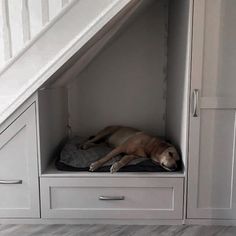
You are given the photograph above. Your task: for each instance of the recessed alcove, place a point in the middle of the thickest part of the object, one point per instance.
(134, 72)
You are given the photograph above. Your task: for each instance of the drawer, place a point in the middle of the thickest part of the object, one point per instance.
(117, 198)
(19, 186)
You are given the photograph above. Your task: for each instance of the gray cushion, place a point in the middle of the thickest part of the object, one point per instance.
(72, 155)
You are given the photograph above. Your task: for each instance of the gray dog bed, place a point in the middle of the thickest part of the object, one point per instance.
(72, 158)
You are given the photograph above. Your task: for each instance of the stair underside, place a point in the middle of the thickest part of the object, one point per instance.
(80, 33)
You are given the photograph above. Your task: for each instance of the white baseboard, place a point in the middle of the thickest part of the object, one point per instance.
(210, 222)
(91, 221)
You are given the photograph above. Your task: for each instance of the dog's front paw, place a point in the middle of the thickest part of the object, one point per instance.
(86, 146)
(94, 166)
(115, 167)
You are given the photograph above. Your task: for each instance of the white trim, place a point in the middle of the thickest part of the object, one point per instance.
(52, 172)
(18, 112)
(210, 222)
(233, 166)
(194, 122)
(188, 73)
(91, 221)
(119, 222)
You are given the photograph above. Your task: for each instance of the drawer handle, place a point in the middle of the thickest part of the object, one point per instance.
(195, 102)
(11, 181)
(112, 198)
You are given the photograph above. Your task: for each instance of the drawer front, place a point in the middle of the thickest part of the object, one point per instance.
(117, 198)
(18, 170)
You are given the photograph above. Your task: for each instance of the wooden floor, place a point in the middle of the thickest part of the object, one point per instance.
(115, 230)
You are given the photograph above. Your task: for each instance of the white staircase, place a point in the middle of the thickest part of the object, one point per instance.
(22, 21)
(48, 40)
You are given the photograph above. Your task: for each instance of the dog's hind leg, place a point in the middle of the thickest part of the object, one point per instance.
(123, 162)
(101, 135)
(95, 165)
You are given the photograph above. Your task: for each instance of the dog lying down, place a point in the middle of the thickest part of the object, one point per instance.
(133, 144)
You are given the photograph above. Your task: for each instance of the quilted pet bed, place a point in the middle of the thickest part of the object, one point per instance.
(71, 158)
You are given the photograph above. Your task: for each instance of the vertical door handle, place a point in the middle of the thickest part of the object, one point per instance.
(195, 102)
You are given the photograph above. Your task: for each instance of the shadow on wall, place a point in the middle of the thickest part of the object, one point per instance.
(126, 83)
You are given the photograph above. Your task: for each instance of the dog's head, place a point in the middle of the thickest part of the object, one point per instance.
(167, 159)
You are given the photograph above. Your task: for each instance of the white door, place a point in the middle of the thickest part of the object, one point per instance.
(211, 174)
(19, 189)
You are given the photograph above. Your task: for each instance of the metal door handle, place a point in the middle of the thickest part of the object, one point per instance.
(113, 198)
(11, 181)
(195, 102)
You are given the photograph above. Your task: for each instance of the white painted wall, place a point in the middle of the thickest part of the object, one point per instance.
(179, 46)
(52, 114)
(126, 83)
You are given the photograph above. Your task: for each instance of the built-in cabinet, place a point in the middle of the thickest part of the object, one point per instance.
(184, 77)
(211, 170)
(131, 81)
(19, 185)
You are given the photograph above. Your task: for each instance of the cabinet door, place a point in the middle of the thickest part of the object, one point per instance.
(19, 189)
(211, 174)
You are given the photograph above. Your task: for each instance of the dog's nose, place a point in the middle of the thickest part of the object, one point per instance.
(171, 168)
(174, 167)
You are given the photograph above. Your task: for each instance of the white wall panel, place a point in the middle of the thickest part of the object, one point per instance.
(179, 54)
(125, 84)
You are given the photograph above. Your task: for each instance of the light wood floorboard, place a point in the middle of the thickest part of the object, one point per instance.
(115, 230)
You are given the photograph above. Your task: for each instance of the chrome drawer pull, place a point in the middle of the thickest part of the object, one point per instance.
(11, 181)
(108, 198)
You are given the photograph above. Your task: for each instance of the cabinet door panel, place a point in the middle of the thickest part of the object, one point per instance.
(211, 190)
(218, 74)
(18, 170)
(216, 157)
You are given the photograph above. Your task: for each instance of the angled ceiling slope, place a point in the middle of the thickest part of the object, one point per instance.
(61, 41)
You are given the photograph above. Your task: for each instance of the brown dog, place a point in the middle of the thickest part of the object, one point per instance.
(134, 144)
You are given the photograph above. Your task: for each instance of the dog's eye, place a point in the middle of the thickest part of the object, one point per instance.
(171, 154)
